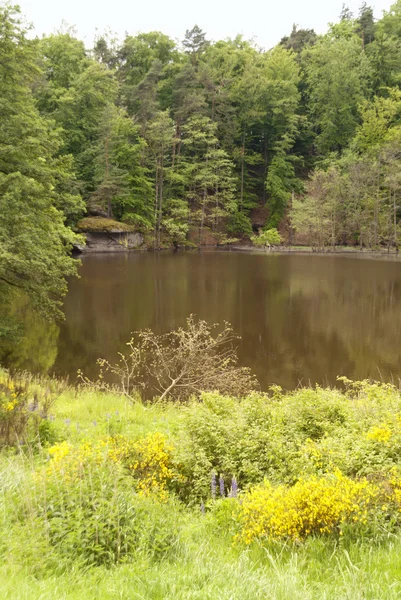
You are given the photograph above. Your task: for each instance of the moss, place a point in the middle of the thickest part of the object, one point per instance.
(100, 224)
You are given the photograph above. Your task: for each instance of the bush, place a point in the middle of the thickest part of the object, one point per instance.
(283, 437)
(268, 238)
(89, 508)
(313, 506)
(239, 224)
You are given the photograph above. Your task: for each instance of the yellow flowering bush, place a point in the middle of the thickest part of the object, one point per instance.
(13, 410)
(312, 506)
(382, 433)
(149, 460)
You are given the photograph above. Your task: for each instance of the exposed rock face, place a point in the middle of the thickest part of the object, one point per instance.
(112, 242)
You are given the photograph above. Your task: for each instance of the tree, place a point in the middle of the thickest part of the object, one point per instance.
(160, 139)
(208, 174)
(366, 24)
(317, 215)
(35, 244)
(123, 187)
(136, 58)
(195, 43)
(333, 104)
(183, 363)
(299, 39)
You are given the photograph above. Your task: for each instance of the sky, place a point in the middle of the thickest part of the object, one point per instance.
(265, 21)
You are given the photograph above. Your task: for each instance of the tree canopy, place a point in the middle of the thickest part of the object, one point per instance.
(193, 141)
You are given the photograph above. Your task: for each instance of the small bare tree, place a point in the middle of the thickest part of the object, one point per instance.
(183, 363)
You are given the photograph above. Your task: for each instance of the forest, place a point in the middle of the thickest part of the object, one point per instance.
(197, 142)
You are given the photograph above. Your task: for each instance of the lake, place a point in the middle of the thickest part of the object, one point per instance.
(302, 318)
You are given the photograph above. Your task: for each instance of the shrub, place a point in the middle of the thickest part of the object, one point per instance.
(268, 238)
(239, 224)
(313, 506)
(88, 507)
(182, 363)
(150, 462)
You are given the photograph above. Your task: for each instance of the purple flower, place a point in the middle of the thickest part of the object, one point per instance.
(52, 417)
(221, 486)
(234, 488)
(94, 423)
(67, 422)
(213, 485)
(202, 507)
(33, 406)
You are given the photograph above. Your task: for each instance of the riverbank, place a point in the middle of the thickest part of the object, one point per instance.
(116, 498)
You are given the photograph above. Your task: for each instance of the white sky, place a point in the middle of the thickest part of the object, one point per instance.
(266, 21)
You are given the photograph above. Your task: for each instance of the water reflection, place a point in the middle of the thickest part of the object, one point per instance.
(301, 318)
(27, 340)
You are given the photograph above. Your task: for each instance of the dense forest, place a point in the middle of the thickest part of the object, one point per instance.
(198, 142)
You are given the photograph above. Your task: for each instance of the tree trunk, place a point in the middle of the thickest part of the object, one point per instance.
(242, 171)
(395, 223)
(161, 183)
(156, 200)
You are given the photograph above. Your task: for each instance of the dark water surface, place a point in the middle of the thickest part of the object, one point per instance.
(301, 318)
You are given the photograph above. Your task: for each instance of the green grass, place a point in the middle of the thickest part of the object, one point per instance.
(203, 562)
(210, 569)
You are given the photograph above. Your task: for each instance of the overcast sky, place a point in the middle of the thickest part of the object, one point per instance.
(264, 20)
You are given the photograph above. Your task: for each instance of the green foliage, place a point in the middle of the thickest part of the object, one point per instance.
(268, 238)
(332, 502)
(24, 407)
(98, 518)
(239, 224)
(34, 241)
(99, 224)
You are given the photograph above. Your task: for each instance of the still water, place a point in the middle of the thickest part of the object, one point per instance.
(302, 318)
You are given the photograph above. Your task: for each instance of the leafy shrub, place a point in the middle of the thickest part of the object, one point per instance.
(88, 507)
(239, 224)
(285, 437)
(268, 238)
(150, 461)
(313, 506)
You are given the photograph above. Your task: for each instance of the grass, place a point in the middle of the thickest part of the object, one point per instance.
(203, 562)
(210, 569)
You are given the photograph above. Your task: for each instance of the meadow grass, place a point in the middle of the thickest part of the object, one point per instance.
(202, 562)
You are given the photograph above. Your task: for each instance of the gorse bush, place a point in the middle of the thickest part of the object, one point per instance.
(89, 506)
(150, 461)
(313, 506)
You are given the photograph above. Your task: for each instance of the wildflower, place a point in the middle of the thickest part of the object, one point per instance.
(221, 486)
(213, 485)
(234, 488)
